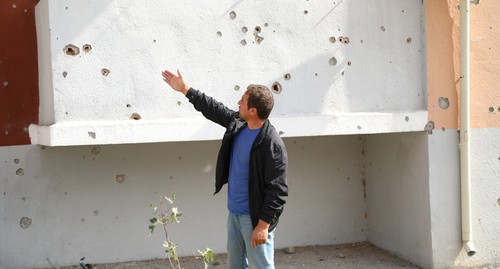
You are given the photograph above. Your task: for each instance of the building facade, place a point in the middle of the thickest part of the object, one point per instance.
(367, 102)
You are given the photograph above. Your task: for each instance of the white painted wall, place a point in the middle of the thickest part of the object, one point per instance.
(412, 207)
(444, 182)
(445, 198)
(397, 188)
(382, 62)
(78, 209)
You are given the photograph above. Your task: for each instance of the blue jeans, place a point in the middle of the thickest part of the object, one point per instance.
(239, 245)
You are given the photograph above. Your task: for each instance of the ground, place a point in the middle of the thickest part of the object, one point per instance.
(359, 255)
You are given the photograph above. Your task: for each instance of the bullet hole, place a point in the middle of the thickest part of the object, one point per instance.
(178, 103)
(105, 72)
(65, 74)
(361, 41)
(87, 48)
(71, 50)
(332, 39)
(65, 193)
(349, 63)
(257, 29)
(154, 40)
(14, 5)
(491, 109)
(382, 28)
(92, 135)
(232, 15)
(287, 76)
(129, 105)
(343, 72)
(259, 39)
(95, 150)
(82, 220)
(25, 223)
(444, 103)
(5, 83)
(135, 116)
(243, 42)
(407, 118)
(120, 178)
(96, 212)
(236, 87)
(266, 24)
(359, 127)
(344, 39)
(23, 198)
(408, 40)
(402, 11)
(20, 172)
(16, 161)
(332, 61)
(429, 127)
(276, 88)
(66, 8)
(316, 74)
(244, 29)
(306, 12)
(219, 33)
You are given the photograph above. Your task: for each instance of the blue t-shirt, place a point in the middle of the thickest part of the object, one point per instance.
(237, 198)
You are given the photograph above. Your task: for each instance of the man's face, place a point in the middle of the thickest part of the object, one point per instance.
(243, 106)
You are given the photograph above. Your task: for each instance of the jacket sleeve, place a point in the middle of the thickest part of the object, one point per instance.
(276, 189)
(211, 108)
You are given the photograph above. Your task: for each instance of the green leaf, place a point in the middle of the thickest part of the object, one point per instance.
(153, 220)
(208, 257)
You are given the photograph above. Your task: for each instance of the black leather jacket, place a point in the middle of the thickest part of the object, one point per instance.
(267, 184)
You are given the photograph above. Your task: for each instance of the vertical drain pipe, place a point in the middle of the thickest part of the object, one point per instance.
(465, 180)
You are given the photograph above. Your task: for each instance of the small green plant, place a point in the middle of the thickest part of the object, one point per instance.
(166, 214)
(208, 257)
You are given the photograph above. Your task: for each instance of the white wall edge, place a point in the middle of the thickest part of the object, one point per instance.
(200, 129)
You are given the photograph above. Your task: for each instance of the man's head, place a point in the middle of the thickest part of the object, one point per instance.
(258, 100)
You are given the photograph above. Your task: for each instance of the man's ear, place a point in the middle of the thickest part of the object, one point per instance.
(253, 110)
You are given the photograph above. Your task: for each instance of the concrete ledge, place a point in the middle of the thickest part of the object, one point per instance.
(200, 129)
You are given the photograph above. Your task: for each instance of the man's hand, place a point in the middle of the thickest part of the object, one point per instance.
(176, 82)
(259, 234)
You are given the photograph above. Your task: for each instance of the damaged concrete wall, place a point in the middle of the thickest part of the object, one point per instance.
(103, 61)
(65, 203)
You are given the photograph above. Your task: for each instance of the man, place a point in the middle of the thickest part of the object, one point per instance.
(253, 161)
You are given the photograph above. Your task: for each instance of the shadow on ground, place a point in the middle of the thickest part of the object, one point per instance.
(358, 255)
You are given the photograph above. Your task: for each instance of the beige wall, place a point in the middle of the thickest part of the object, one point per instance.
(443, 48)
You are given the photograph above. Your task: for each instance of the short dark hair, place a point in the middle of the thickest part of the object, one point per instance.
(260, 98)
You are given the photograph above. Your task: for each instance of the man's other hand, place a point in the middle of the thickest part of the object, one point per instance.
(260, 233)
